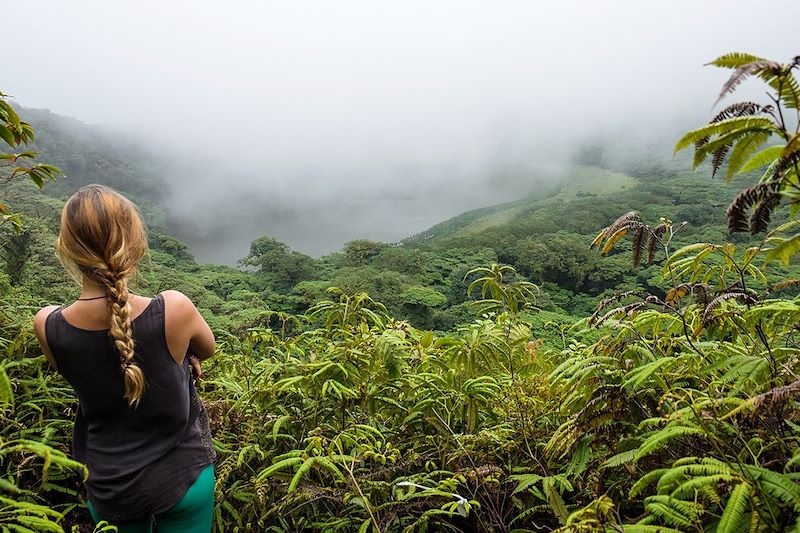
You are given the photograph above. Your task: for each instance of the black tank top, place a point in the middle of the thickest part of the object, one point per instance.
(141, 460)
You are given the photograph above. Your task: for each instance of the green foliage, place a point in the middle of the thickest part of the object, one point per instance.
(15, 132)
(737, 134)
(673, 407)
(274, 260)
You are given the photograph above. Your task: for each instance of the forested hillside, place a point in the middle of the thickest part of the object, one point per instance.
(510, 369)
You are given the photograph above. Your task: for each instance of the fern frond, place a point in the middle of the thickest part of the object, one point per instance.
(674, 512)
(620, 459)
(758, 66)
(718, 158)
(663, 437)
(702, 294)
(777, 485)
(731, 295)
(298, 476)
(792, 224)
(726, 127)
(701, 484)
(759, 220)
(743, 150)
(783, 284)
(761, 159)
(733, 517)
(554, 499)
(675, 294)
(739, 109)
(600, 237)
(638, 245)
(789, 159)
(785, 250)
(655, 234)
(737, 211)
(615, 237)
(646, 480)
(645, 528)
(734, 60)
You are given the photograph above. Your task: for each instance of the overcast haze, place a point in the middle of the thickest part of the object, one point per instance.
(320, 122)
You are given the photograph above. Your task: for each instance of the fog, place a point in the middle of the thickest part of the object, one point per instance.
(322, 122)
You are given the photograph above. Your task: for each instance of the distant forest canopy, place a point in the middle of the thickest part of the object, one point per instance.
(220, 223)
(545, 236)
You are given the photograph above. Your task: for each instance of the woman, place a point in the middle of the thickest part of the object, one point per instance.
(139, 428)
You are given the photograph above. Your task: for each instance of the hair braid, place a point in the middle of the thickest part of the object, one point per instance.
(102, 238)
(122, 331)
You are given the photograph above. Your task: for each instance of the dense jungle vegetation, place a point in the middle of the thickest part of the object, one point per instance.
(494, 373)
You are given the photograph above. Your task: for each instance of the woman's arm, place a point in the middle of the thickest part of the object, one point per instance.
(186, 329)
(38, 327)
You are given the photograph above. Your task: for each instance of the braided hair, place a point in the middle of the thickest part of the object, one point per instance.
(102, 237)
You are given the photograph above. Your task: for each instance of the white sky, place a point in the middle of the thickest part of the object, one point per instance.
(332, 95)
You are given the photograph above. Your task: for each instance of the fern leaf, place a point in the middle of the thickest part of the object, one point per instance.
(638, 245)
(743, 150)
(298, 476)
(646, 528)
(600, 237)
(785, 250)
(580, 458)
(719, 158)
(777, 485)
(554, 499)
(720, 146)
(526, 481)
(785, 227)
(734, 60)
(620, 459)
(737, 211)
(657, 232)
(662, 438)
(733, 518)
(672, 511)
(276, 467)
(743, 72)
(761, 159)
(677, 254)
(6, 391)
(675, 294)
(620, 233)
(790, 91)
(759, 220)
(700, 484)
(725, 127)
(641, 375)
(648, 479)
(732, 295)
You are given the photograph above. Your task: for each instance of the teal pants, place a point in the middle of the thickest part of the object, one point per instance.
(190, 515)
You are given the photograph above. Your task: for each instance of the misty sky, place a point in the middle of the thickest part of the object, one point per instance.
(367, 114)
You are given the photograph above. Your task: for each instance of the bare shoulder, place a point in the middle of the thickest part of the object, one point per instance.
(41, 316)
(176, 298)
(177, 303)
(38, 327)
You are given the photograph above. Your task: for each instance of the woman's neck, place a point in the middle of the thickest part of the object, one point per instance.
(90, 289)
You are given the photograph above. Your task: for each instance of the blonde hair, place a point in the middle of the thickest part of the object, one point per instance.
(102, 237)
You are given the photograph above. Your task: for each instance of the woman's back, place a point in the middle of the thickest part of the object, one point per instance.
(139, 427)
(142, 457)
